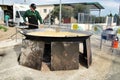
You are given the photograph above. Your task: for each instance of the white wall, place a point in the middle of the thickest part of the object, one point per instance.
(1, 16)
(41, 9)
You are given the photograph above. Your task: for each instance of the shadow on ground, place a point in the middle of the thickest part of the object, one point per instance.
(17, 49)
(28, 78)
(82, 60)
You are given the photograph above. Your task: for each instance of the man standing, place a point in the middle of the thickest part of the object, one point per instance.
(7, 17)
(33, 17)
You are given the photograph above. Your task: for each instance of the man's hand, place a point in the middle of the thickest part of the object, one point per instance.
(26, 23)
(41, 26)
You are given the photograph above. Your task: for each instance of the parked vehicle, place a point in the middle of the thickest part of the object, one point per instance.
(15, 12)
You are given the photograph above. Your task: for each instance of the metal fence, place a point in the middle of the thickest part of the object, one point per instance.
(85, 18)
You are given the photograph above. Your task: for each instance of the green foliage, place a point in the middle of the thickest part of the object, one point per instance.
(69, 11)
(79, 8)
(100, 19)
(3, 27)
(55, 12)
(66, 12)
(117, 19)
(118, 31)
(110, 15)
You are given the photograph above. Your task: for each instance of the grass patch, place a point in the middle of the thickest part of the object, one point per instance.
(3, 28)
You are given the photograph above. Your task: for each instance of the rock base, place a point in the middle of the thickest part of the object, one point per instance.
(64, 55)
(32, 54)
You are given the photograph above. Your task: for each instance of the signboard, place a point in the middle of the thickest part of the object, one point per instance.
(76, 26)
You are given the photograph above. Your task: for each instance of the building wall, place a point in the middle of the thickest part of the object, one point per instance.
(73, 20)
(44, 10)
(1, 16)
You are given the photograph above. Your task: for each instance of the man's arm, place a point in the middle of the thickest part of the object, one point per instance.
(39, 18)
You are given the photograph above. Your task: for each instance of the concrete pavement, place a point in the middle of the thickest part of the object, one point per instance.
(105, 65)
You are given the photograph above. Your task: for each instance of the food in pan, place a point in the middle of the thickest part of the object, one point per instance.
(56, 34)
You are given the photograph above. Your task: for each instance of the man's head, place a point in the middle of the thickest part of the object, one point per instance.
(33, 6)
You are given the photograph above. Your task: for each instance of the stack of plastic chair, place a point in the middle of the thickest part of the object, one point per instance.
(108, 34)
(117, 28)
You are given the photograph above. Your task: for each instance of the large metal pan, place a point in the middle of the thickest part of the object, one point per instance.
(54, 38)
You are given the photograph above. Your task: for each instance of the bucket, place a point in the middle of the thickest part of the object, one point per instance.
(115, 44)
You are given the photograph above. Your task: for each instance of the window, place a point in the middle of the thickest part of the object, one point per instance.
(17, 14)
(22, 13)
(45, 10)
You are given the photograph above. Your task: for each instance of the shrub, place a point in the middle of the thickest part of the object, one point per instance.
(3, 28)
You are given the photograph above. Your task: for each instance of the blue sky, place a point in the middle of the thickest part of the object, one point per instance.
(109, 5)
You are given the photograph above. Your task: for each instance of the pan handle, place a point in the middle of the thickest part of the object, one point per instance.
(23, 32)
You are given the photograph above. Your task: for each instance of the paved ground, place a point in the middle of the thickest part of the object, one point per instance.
(114, 72)
(105, 65)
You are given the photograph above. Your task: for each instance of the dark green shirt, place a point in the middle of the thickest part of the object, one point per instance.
(35, 13)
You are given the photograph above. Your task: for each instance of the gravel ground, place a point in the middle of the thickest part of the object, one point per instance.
(105, 65)
(114, 72)
(9, 34)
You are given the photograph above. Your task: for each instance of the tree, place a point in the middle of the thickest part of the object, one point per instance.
(66, 12)
(79, 8)
(100, 19)
(110, 15)
(117, 19)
